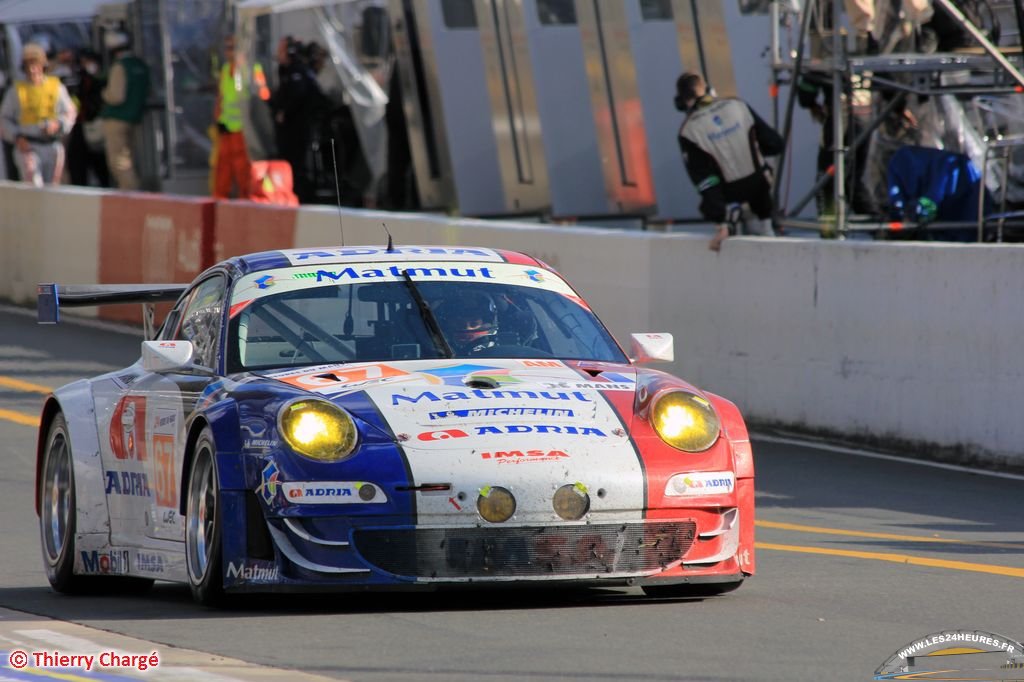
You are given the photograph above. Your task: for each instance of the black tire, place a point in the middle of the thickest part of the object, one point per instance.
(203, 525)
(58, 522)
(690, 590)
(57, 509)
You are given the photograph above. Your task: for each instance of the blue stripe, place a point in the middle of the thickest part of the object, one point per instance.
(389, 466)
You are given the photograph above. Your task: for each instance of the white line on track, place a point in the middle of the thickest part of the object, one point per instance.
(61, 641)
(859, 452)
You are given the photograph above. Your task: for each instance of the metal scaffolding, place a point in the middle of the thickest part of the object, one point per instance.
(995, 71)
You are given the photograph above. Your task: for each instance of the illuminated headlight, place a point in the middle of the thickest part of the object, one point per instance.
(318, 430)
(571, 502)
(685, 421)
(496, 504)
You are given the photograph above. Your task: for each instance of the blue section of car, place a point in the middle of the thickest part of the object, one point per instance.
(268, 462)
(223, 420)
(233, 534)
(266, 260)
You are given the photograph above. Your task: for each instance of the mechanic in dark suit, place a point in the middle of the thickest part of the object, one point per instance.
(297, 105)
(724, 144)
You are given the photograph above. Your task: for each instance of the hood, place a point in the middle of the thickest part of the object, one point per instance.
(423, 401)
(481, 411)
(528, 425)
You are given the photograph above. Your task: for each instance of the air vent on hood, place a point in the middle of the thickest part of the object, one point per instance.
(482, 382)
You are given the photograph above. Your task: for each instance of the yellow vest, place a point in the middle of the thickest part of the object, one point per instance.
(233, 88)
(38, 103)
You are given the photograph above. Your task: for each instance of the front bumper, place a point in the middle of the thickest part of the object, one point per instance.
(333, 553)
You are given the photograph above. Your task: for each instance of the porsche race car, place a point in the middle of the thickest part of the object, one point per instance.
(404, 417)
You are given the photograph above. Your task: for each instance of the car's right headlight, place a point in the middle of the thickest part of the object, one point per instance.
(685, 421)
(318, 430)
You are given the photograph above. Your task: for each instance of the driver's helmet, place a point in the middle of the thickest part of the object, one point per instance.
(470, 322)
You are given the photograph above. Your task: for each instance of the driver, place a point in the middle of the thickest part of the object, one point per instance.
(470, 323)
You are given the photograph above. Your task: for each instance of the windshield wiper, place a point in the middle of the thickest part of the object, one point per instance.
(428, 316)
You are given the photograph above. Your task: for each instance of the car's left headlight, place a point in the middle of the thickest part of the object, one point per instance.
(318, 430)
(685, 421)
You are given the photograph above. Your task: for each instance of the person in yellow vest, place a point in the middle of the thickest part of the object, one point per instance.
(232, 166)
(35, 115)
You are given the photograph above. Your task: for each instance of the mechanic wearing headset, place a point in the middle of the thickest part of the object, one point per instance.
(724, 144)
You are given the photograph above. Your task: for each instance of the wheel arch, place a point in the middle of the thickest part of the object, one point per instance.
(50, 408)
(195, 429)
(735, 429)
(222, 420)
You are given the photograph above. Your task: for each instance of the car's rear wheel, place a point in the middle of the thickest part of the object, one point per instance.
(58, 521)
(57, 515)
(203, 525)
(691, 590)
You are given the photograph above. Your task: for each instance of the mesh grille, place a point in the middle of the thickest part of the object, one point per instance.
(522, 552)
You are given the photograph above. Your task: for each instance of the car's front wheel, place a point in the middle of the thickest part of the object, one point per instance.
(203, 524)
(690, 590)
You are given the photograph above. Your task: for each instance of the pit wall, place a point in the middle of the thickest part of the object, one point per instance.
(911, 345)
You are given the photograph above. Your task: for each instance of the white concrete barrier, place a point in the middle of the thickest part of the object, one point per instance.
(47, 235)
(910, 345)
(898, 344)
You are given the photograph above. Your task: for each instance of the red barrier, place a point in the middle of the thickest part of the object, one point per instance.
(245, 227)
(152, 238)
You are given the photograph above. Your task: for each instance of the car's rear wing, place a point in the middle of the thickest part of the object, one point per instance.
(52, 297)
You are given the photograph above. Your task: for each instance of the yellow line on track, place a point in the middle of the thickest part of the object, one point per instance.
(898, 559)
(20, 385)
(884, 536)
(20, 418)
(51, 675)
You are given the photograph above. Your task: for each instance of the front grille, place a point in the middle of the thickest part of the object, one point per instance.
(492, 552)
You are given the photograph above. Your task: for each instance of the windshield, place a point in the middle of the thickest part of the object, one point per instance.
(295, 317)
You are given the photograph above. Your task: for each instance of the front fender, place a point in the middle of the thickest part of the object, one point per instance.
(222, 418)
(735, 429)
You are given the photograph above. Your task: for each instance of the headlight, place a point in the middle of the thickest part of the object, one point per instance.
(496, 504)
(318, 430)
(685, 421)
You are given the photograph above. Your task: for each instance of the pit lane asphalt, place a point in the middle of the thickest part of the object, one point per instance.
(856, 557)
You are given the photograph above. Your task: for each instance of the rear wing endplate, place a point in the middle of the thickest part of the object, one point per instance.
(52, 297)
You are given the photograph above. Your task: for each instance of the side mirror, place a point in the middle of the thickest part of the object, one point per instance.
(167, 356)
(646, 348)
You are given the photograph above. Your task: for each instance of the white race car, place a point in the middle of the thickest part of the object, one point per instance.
(400, 417)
